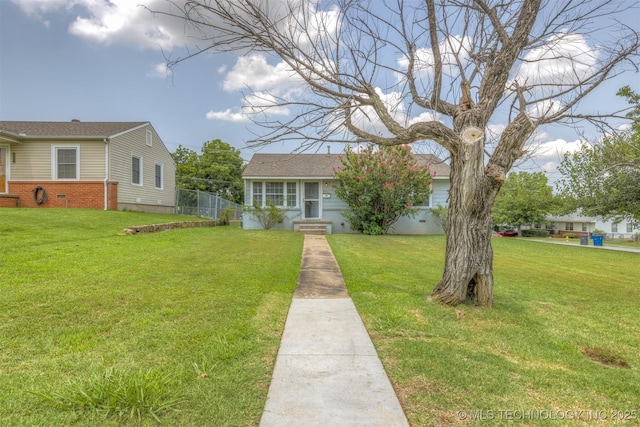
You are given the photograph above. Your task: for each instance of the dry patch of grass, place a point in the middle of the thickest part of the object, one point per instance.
(605, 357)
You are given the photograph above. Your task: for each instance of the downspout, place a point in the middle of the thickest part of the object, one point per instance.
(106, 174)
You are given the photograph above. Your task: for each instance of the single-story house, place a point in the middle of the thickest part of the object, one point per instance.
(98, 165)
(304, 186)
(578, 224)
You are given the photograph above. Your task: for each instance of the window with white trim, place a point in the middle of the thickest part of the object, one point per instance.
(569, 226)
(614, 228)
(584, 226)
(279, 193)
(290, 196)
(159, 176)
(66, 162)
(629, 227)
(136, 170)
(256, 198)
(149, 138)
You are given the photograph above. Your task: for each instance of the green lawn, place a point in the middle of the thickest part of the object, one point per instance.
(553, 305)
(98, 328)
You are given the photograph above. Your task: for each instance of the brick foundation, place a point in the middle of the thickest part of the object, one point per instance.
(9, 201)
(62, 194)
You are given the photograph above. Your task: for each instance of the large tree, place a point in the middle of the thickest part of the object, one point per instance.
(604, 178)
(395, 72)
(217, 169)
(525, 198)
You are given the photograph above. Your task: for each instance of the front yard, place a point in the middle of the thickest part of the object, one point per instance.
(98, 328)
(562, 337)
(182, 327)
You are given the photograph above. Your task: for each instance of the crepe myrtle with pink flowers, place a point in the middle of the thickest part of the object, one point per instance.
(381, 185)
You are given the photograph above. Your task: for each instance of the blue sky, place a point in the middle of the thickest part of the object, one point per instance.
(98, 60)
(49, 74)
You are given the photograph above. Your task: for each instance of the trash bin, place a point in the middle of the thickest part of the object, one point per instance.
(584, 239)
(597, 239)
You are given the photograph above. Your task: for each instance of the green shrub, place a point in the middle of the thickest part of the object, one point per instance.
(570, 235)
(268, 216)
(440, 215)
(228, 214)
(535, 233)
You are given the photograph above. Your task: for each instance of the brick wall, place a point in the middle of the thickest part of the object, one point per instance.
(9, 201)
(66, 194)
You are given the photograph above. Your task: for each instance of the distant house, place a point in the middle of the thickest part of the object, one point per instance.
(581, 225)
(303, 186)
(98, 165)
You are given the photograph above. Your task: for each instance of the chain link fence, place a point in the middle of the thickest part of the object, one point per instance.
(201, 203)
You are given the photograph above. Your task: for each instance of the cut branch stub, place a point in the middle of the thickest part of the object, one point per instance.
(471, 135)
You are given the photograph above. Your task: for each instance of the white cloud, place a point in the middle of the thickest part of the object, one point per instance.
(253, 71)
(452, 49)
(564, 59)
(548, 154)
(263, 102)
(124, 22)
(427, 116)
(256, 103)
(264, 81)
(228, 116)
(544, 108)
(161, 70)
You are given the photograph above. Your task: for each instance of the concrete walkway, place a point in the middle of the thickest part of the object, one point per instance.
(327, 372)
(607, 247)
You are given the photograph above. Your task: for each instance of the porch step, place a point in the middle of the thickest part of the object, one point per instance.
(313, 229)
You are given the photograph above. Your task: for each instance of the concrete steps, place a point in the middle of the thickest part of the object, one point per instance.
(317, 229)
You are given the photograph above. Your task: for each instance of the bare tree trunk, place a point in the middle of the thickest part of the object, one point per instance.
(468, 272)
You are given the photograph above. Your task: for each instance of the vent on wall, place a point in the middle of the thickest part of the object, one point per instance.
(61, 196)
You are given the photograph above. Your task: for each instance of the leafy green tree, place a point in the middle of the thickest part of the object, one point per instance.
(381, 186)
(218, 169)
(604, 178)
(186, 168)
(525, 198)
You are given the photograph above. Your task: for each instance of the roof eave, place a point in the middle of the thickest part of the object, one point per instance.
(63, 138)
(10, 137)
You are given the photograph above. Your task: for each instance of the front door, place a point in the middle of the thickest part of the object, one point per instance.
(3, 169)
(311, 200)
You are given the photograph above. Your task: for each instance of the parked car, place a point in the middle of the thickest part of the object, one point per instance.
(508, 233)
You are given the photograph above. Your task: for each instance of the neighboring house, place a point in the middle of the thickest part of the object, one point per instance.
(98, 165)
(579, 225)
(303, 185)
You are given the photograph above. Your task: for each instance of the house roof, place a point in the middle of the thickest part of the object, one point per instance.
(72, 129)
(574, 217)
(264, 165)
